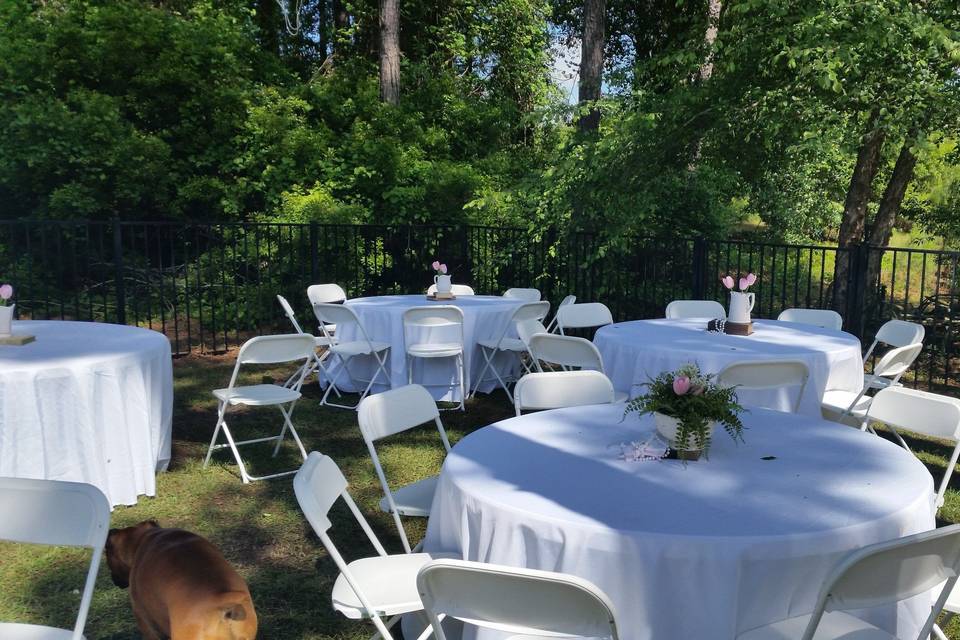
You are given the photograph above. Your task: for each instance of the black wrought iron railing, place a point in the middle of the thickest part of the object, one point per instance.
(210, 286)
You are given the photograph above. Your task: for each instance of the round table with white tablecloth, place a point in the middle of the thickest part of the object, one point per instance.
(706, 549)
(484, 317)
(635, 352)
(87, 402)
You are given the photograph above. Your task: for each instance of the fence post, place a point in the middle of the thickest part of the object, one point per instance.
(856, 286)
(118, 271)
(699, 267)
(465, 252)
(314, 248)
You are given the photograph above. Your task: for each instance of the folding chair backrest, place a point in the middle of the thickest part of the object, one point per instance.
(567, 351)
(893, 571)
(276, 349)
(515, 601)
(556, 389)
(758, 375)
(531, 311)
(396, 411)
(695, 309)
(917, 411)
(583, 316)
(56, 513)
(288, 310)
(824, 318)
(900, 333)
(435, 316)
(455, 289)
(526, 329)
(529, 295)
(896, 361)
(567, 300)
(326, 293)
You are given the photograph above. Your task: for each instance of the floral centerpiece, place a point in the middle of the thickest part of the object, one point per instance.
(6, 309)
(687, 405)
(741, 302)
(441, 279)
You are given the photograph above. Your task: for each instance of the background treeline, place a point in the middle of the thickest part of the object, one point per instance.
(830, 120)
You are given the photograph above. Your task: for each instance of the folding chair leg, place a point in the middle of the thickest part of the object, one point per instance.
(479, 380)
(221, 410)
(244, 476)
(288, 425)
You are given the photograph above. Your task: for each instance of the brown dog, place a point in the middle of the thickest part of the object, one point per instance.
(181, 586)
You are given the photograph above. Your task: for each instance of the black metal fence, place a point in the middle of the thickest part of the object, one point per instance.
(210, 286)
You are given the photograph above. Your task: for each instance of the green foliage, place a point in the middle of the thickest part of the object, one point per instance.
(703, 402)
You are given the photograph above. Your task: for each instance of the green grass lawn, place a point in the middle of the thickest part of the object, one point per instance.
(259, 527)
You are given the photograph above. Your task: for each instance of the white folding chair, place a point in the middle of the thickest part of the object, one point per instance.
(897, 334)
(447, 320)
(343, 316)
(583, 316)
(567, 300)
(569, 353)
(263, 350)
(767, 375)
(455, 289)
(316, 364)
(527, 295)
(514, 601)
(505, 344)
(920, 412)
(329, 293)
(54, 513)
(390, 413)
(874, 576)
(558, 389)
(376, 587)
(526, 329)
(823, 318)
(679, 309)
(839, 404)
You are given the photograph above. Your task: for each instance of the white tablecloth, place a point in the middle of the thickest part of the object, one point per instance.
(483, 317)
(87, 402)
(704, 550)
(635, 352)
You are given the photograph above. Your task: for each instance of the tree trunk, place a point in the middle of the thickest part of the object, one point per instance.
(706, 70)
(855, 208)
(341, 22)
(591, 61)
(882, 227)
(268, 24)
(323, 30)
(389, 51)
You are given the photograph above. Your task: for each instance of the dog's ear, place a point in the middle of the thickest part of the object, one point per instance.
(119, 569)
(153, 523)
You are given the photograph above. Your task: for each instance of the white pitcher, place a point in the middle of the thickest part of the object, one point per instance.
(741, 304)
(443, 283)
(6, 319)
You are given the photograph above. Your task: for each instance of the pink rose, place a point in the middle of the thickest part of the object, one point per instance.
(751, 278)
(744, 284)
(681, 384)
(436, 265)
(727, 281)
(6, 292)
(443, 268)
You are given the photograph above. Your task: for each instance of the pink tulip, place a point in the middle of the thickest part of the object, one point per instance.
(443, 268)
(436, 265)
(6, 292)
(751, 278)
(681, 384)
(744, 284)
(727, 281)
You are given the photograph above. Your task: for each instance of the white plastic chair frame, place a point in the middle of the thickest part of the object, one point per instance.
(559, 389)
(436, 316)
(263, 350)
(527, 311)
(317, 485)
(882, 574)
(567, 300)
(55, 513)
(316, 364)
(920, 412)
(758, 375)
(526, 294)
(329, 293)
(455, 289)
(679, 309)
(514, 601)
(887, 373)
(823, 318)
(390, 413)
(342, 315)
(565, 351)
(583, 316)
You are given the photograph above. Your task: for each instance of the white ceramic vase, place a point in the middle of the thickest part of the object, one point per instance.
(6, 319)
(668, 426)
(443, 283)
(741, 304)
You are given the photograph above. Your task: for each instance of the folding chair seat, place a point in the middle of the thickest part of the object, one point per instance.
(370, 588)
(344, 350)
(263, 350)
(54, 513)
(390, 413)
